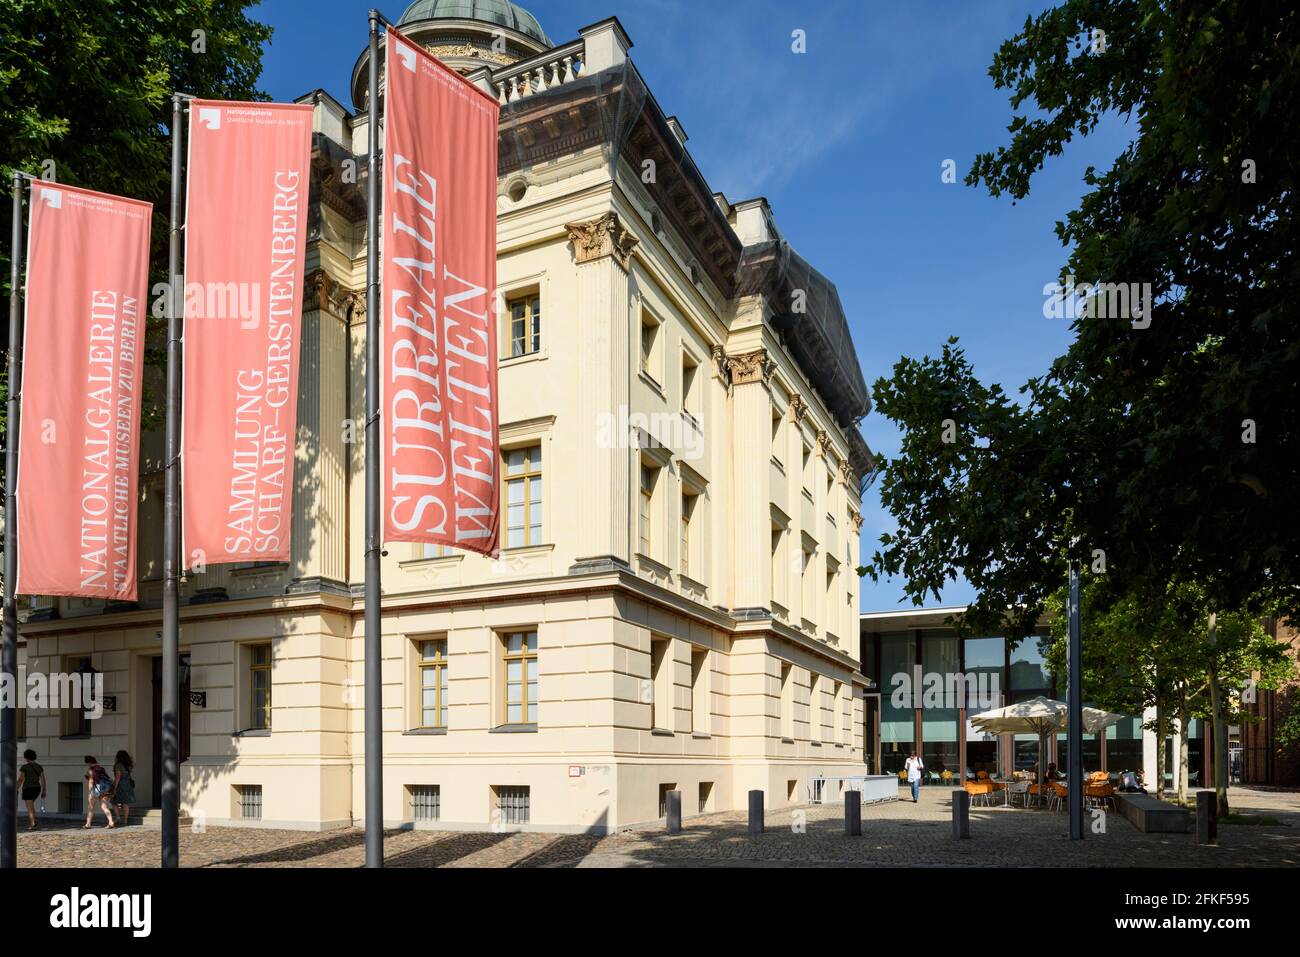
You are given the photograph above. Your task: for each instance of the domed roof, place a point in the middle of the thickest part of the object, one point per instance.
(501, 12)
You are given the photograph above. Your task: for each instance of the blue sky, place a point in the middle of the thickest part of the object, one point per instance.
(847, 142)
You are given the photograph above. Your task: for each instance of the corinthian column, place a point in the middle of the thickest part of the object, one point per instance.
(602, 249)
(751, 403)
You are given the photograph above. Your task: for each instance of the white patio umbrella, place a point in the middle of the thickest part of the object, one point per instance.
(1043, 717)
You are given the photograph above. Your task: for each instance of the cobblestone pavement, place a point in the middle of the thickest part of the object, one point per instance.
(896, 834)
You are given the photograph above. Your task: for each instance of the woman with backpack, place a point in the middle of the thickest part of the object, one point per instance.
(123, 786)
(99, 790)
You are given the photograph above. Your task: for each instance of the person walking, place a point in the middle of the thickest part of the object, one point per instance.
(123, 786)
(31, 785)
(914, 767)
(99, 790)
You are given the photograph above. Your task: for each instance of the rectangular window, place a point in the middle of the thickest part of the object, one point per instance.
(650, 344)
(806, 469)
(778, 565)
(523, 496)
(701, 705)
(778, 453)
(426, 802)
(706, 797)
(663, 798)
(661, 687)
(75, 722)
(433, 683)
(425, 550)
(513, 804)
(520, 665)
(71, 795)
(645, 512)
(837, 717)
(815, 722)
(787, 701)
(250, 801)
(688, 513)
(690, 386)
(259, 687)
(525, 325)
(809, 587)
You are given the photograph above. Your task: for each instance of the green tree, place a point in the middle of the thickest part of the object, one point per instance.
(1163, 446)
(85, 97)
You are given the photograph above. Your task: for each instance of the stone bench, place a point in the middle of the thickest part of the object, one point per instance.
(1153, 816)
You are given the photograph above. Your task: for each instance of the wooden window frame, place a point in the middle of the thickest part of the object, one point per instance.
(439, 666)
(527, 708)
(532, 323)
(532, 470)
(254, 667)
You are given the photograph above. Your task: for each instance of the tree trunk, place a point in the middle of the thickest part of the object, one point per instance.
(1160, 751)
(1183, 721)
(1217, 703)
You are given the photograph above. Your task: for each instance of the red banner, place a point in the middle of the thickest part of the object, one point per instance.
(439, 344)
(79, 432)
(245, 247)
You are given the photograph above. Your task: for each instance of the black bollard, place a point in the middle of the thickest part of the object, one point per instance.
(755, 812)
(674, 812)
(961, 814)
(1207, 818)
(853, 813)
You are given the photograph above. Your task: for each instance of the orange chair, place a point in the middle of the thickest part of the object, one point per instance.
(1060, 794)
(979, 790)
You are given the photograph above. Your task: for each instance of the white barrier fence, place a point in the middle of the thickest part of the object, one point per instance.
(874, 788)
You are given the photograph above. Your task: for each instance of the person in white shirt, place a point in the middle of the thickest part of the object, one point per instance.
(914, 768)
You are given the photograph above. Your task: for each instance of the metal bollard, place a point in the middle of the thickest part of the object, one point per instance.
(674, 801)
(853, 813)
(961, 814)
(1207, 818)
(755, 812)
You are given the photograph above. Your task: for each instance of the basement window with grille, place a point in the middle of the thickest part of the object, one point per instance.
(426, 802)
(250, 801)
(513, 805)
(70, 797)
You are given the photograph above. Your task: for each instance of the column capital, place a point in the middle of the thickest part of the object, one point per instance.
(798, 407)
(603, 236)
(824, 442)
(322, 291)
(756, 366)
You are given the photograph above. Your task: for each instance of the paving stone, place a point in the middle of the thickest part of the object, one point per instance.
(896, 834)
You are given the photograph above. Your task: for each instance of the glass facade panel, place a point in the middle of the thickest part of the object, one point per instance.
(940, 661)
(897, 724)
(1029, 669)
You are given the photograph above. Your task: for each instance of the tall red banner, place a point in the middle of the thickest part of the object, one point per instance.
(79, 432)
(441, 457)
(245, 247)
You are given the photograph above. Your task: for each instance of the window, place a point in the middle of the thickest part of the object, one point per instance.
(787, 701)
(688, 512)
(426, 802)
(433, 683)
(814, 706)
(650, 343)
(663, 798)
(806, 467)
(425, 550)
(259, 687)
(249, 801)
(809, 589)
(661, 684)
(645, 513)
(71, 794)
(75, 722)
(525, 325)
(520, 660)
(706, 797)
(523, 496)
(837, 717)
(690, 386)
(778, 565)
(513, 804)
(701, 704)
(777, 450)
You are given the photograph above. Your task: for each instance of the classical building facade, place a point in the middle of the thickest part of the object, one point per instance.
(675, 604)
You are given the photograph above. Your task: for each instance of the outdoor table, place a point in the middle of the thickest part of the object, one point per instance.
(1006, 791)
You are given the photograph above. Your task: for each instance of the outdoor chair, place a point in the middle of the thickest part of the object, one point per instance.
(1099, 795)
(1018, 789)
(1058, 797)
(981, 792)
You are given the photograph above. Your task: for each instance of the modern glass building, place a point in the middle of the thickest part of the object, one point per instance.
(927, 685)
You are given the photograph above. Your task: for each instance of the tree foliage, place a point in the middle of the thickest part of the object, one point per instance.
(1172, 450)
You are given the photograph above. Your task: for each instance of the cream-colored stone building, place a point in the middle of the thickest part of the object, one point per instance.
(675, 605)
